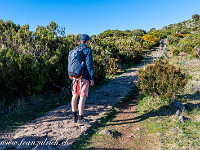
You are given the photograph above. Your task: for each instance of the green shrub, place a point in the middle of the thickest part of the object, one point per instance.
(36, 62)
(196, 51)
(195, 17)
(99, 70)
(175, 52)
(147, 45)
(112, 66)
(171, 40)
(190, 44)
(161, 79)
(194, 29)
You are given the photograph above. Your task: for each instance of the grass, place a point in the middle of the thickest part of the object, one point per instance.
(175, 135)
(172, 133)
(192, 68)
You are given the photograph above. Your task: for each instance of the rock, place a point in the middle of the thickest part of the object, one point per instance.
(182, 119)
(178, 105)
(178, 112)
(105, 132)
(175, 130)
(158, 133)
(137, 129)
(131, 135)
(198, 119)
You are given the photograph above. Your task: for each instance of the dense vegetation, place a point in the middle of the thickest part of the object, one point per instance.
(164, 79)
(188, 40)
(36, 62)
(161, 79)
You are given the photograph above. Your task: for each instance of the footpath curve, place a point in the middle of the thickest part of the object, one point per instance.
(56, 125)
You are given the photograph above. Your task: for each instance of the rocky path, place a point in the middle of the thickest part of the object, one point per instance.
(55, 130)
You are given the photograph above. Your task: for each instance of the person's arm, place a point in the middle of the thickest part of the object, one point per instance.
(89, 64)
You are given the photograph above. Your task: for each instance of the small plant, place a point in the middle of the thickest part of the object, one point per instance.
(175, 35)
(171, 40)
(161, 79)
(112, 66)
(175, 52)
(99, 70)
(179, 35)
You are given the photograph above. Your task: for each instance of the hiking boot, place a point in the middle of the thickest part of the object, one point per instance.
(83, 122)
(74, 119)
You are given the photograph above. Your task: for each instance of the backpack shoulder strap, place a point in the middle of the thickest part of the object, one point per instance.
(82, 48)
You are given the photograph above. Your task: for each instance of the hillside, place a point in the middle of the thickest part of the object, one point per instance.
(35, 89)
(192, 24)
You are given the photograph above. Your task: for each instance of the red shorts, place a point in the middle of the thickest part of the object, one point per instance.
(80, 87)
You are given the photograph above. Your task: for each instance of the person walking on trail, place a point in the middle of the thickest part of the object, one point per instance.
(80, 86)
(162, 43)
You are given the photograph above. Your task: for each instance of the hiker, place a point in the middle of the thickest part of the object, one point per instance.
(161, 42)
(81, 86)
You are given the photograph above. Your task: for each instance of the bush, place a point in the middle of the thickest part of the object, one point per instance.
(194, 29)
(150, 38)
(175, 34)
(161, 79)
(36, 62)
(112, 66)
(195, 17)
(128, 50)
(147, 45)
(99, 70)
(175, 52)
(179, 35)
(190, 44)
(171, 40)
(196, 51)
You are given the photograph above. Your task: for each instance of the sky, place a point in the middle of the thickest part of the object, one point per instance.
(95, 16)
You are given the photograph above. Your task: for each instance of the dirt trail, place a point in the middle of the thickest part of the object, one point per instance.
(56, 125)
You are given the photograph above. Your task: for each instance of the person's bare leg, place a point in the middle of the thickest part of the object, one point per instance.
(74, 102)
(81, 105)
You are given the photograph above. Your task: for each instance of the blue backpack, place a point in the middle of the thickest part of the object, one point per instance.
(75, 63)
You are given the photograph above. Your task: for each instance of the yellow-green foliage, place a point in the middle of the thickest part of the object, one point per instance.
(112, 66)
(171, 40)
(99, 69)
(179, 35)
(190, 45)
(175, 52)
(36, 62)
(150, 38)
(162, 79)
